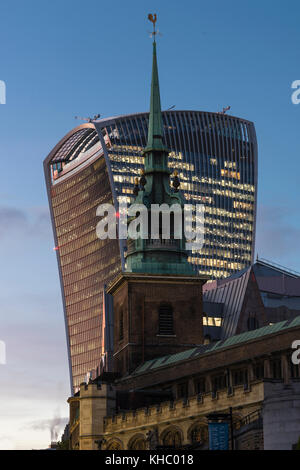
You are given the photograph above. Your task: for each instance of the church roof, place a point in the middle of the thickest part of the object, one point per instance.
(219, 345)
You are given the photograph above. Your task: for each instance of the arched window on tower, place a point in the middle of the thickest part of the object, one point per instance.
(165, 319)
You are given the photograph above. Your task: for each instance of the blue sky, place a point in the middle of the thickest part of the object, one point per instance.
(65, 58)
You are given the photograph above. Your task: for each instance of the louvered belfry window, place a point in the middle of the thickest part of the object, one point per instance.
(166, 326)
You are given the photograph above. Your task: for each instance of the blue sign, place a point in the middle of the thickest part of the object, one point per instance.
(218, 436)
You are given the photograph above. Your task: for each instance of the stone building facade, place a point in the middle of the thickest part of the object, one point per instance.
(254, 376)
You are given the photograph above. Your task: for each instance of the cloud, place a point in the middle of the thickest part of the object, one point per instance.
(18, 223)
(41, 223)
(12, 220)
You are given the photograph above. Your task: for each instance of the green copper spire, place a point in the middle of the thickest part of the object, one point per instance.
(157, 255)
(155, 129)
(156, 155)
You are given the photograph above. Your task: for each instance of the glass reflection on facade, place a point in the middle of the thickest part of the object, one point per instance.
(216, 158)
(85, 262)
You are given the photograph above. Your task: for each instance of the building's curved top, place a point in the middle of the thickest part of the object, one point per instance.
(69, 147)
(122, 116)
(69, 143)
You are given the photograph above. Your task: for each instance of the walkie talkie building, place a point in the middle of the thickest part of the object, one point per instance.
(216, 158)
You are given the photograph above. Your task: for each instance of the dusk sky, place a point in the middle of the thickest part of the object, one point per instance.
(65, 58)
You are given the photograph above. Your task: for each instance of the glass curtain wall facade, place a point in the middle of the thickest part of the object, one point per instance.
(86, 263)
(216, 158)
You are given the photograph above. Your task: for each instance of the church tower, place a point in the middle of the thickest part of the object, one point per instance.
(158, 299)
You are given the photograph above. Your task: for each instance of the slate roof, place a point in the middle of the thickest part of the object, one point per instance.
(204, 349)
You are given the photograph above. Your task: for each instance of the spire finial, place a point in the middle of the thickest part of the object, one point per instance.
(153, 19)
(155, 129)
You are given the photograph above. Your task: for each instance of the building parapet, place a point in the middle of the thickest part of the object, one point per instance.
(198, 405)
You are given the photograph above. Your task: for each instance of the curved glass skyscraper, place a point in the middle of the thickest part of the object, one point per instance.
(216, 158)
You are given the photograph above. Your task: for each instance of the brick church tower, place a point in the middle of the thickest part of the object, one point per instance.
(158, 299)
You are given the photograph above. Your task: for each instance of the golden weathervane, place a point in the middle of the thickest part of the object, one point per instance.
(153, 19)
